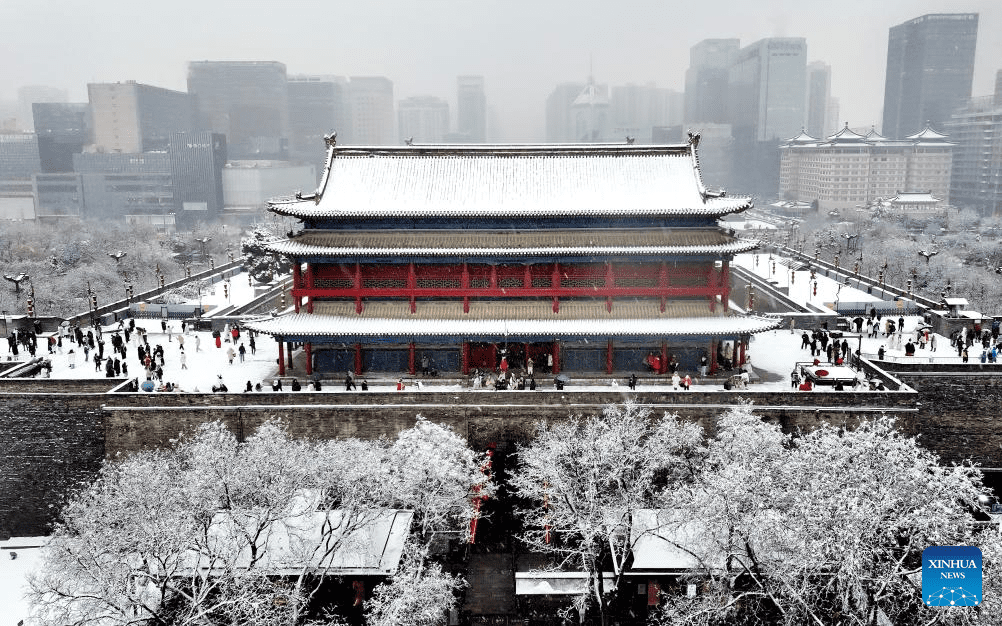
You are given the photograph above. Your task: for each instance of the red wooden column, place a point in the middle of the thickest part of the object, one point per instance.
(610, 282)
(465, 285)
(555, 284)
(713, 281)
(713, 356)
(358, 359)
(725, 285)
(310, 286)
(494, 356)
(664, 358)
(742, 341)
(288, 347)
(308, 349)
(466, 354)
(608, 358)
(297, 279)
(411, 286)
(357, 288)
(494, 276)
(527, 277)
(663, 284)
(410, 358)
(281, 356)
(525, 355)
(556, 357)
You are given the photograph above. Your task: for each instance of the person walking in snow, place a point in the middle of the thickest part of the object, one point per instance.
(184, 360)
(242, 352)
(230, 354)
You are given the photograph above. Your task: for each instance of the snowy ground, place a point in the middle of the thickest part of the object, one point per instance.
(18, 558)
(799, 283)
(777, 351)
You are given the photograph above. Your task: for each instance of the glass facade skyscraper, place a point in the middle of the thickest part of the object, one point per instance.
(930, 68)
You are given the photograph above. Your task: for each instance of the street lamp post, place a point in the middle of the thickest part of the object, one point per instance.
(203, 241)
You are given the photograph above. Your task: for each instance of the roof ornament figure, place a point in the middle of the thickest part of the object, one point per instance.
(630, 140)
(331, 139)
(693, 139)
(409, 141)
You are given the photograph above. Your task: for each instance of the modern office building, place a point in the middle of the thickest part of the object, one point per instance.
(131, 117)
(768, 88)
(819, 89)
(370, 107)
(317, 106)
(63, 129)
(707, 80)
(248, 185)
(637, 109)
(976, 129)
(196, 166)
(423, 119)
(766, 104)
(18, 156)
(559, 119)
(471, 108)
(930, 68)
(607, 258)
(591, 117)
(849, 169)
(29, 95)
(59, 195)
(245, 100)
(17, 200)
(117, 184)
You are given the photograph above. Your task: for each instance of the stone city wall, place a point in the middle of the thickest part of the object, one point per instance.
(59, 440)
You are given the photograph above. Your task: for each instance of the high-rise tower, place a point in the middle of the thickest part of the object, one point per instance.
(930, 67)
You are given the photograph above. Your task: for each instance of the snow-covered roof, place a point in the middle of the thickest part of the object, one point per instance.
(915, 198)
(873, 135)
(928, 134)
(803, 137)
(373, 545)
(666, 541)
(494, 319)
(523, 243)
(510, 181)
(591, 95)
(845, 135)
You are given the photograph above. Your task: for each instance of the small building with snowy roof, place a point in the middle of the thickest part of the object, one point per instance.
(591, 258)
(913, 201)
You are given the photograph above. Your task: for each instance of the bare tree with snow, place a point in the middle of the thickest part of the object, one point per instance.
(583, 479)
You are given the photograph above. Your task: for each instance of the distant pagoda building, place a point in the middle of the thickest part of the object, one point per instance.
(601, 257)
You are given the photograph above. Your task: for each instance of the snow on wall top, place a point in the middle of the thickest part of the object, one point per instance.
(511, 181)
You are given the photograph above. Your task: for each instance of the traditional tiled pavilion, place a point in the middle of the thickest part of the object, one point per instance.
(600, 256)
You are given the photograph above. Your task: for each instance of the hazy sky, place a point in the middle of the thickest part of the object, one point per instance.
(522, 47)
